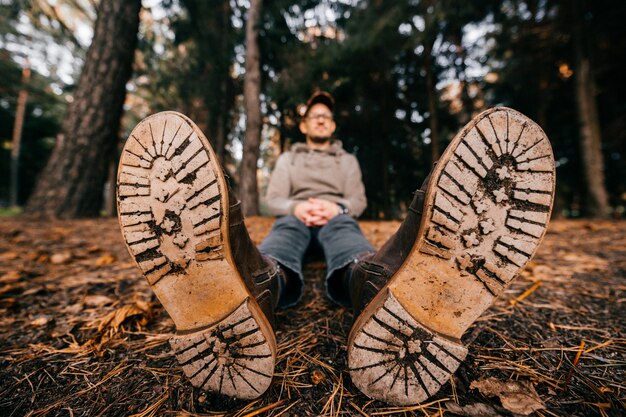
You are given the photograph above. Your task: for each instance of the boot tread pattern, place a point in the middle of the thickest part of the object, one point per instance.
(165, 170)
(232, 358)
(395, 358)
(493, 199)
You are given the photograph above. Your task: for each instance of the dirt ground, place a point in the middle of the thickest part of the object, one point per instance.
(81, 334)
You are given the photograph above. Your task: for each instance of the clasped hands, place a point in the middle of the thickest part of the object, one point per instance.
(316, 212)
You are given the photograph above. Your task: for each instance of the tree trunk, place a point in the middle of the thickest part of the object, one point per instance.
(431, 89)
(72, 182)
(252, 91)
(386, 193)
(590, 137)
(468, 104)
(225, 100)
(16, 147)
(385, 152)
(110, 203)
(220, 136)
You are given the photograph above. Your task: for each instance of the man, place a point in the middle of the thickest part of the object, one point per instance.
(317, 190)
(473, 225)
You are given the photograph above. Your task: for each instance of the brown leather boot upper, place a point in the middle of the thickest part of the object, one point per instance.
(260, 273)
(372, 273)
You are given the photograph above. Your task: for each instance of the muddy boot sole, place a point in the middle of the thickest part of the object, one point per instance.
(173, 211)
(485, 213)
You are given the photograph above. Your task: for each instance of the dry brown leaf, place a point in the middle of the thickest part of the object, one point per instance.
(62, 329)
(60, 258)
(472, 410)
(60, 231)
(72, 309)
(20, 239)
(7, 302)
(9, 256)
(11, 276)
(34, 290)
(139, 313)
(31, 256)
(97, 300)
(9, 288)
(39, 321)
(105, 260)
(317, 376)
(7, 321)
(518, 397)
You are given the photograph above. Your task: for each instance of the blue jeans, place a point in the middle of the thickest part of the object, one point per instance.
(340, 240)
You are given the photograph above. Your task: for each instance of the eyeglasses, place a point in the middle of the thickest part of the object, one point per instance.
(324, 116)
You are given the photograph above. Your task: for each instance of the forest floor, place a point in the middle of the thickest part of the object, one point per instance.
(81, 334)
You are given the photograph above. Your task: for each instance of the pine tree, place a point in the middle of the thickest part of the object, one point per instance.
(252, 92)
(72, 182)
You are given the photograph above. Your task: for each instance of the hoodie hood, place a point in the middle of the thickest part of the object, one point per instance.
(335, 148)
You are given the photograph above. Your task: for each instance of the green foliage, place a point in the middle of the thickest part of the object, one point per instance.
(372, 55)
(30, 30)
(10, 211)
(532, 57)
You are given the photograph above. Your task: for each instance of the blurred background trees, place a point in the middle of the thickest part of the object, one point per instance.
(72, 181)
(406, 76)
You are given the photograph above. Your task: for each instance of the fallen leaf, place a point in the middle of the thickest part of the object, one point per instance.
(72, 309)
(60, 258)
(138, 313)
(9, 256)
(62, 329)
(518, 397)
(20, 239)
(11, 276)
(8, 288)
(97, 300)
(317, 376)
(60, 231)
(7, 302)
(105, 260)
(472, 410)
(34, 290)
(7, 321)
(31, 256)
(39, 321)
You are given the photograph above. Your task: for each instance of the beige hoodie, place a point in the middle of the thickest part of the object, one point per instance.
(301, 173)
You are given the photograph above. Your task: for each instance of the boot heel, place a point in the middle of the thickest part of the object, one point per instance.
(395, 358)
(234, 357)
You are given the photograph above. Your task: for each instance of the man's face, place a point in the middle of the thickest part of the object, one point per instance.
(318, 124)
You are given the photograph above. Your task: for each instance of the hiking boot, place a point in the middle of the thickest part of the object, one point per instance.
(372, 271)
(478, 223)
(185, 230)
